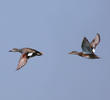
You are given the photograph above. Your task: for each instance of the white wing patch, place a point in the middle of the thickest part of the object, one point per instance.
(93, 50)
(30, 54)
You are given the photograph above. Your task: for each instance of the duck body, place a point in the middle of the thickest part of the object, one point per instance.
(88, 48)
(81, 54)
(26, 53)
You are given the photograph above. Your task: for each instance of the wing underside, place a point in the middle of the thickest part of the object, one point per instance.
(95, 41)
(86, 46)
(22, 61)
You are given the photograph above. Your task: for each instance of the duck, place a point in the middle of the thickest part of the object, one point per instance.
(26, 53)
(88, 48)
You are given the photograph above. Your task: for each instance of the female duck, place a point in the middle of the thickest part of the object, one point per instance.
(88, 49)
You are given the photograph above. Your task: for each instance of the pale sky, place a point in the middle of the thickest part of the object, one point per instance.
(54, 27)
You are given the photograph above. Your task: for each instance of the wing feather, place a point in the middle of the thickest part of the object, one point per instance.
(95, 41)
(86, 46)
(22, 61)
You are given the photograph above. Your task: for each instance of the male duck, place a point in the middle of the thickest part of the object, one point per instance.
(88, 49)
(26, 54)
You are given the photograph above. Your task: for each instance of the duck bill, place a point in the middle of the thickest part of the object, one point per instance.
(10, 51)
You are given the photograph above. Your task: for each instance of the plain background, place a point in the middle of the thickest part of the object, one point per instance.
(54, 27)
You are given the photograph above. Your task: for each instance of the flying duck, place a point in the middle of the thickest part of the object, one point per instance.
(88, 48)
(26, 54)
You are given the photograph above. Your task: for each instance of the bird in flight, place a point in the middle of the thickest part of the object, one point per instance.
(26, 53)
(88, 48)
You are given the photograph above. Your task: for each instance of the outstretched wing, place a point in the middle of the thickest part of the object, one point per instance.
(22, 61)
(86, 46)
(95, 41)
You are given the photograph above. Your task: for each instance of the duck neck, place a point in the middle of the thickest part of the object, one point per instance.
(18, 50)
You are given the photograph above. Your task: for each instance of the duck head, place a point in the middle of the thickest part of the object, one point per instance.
(15, 50)
(74, 52)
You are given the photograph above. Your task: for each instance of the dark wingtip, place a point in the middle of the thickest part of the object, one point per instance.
(17, 69)
(98, 33)
(84, 38)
